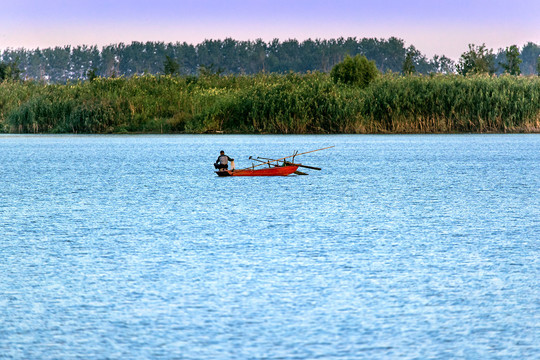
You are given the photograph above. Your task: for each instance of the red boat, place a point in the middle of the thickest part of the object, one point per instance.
(276, 167)
(272, 171)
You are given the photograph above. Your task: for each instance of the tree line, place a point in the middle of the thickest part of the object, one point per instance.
(229, 56)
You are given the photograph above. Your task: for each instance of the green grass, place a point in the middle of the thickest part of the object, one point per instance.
(271, 103)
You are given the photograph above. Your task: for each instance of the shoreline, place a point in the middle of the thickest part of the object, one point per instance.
(269, 134)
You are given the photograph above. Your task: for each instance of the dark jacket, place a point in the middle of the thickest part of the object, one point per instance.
(223, 159)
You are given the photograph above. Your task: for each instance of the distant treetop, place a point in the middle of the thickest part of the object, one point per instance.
(230, 56)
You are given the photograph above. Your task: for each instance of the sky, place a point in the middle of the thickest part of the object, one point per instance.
(441, 27)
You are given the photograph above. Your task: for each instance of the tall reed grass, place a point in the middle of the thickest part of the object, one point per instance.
(453, 103)
(271, 103)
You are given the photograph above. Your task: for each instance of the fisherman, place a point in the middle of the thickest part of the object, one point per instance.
(222, 162)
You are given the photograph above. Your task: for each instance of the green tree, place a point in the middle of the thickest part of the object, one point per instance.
(170, 67)
(529, 55)
(9, 71)
(256, 52)
(511, 65)
(81, 61)
(478, 60)
(356, 70)
(110, 60)
(209, 54)
(59, 63)
(443, 64)
(408, 64)
(390, 54)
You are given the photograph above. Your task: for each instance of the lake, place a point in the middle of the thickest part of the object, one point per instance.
(402, 246)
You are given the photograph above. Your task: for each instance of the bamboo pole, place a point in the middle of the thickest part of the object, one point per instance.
(290, 163)
(286, 157)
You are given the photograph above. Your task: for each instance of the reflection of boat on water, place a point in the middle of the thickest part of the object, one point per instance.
(276, 167)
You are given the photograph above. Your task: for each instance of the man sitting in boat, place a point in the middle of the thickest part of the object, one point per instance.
(222, 162)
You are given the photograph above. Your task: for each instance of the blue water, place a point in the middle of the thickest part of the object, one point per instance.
(129, 247)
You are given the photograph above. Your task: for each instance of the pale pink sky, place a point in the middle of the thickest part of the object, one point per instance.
(434, 27)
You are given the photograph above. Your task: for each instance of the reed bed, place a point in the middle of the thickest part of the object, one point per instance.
(453, 103)
(272, 103)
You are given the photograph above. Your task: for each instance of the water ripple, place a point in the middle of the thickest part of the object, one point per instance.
(402, 247)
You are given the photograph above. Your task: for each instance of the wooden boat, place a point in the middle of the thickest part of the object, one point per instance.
(271, 171)
(274, 167)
